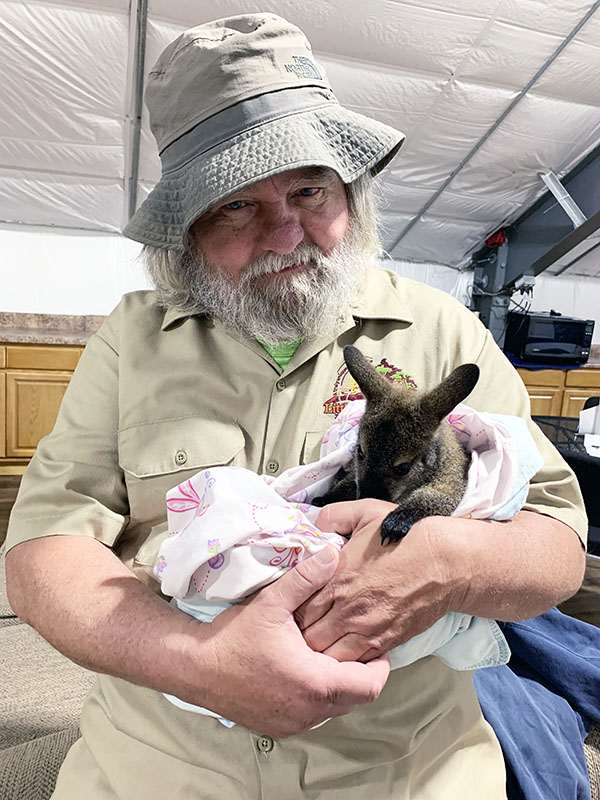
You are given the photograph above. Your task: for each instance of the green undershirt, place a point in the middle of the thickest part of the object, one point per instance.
(281, 353)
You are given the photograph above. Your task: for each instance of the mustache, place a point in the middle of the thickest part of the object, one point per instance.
(271, 263)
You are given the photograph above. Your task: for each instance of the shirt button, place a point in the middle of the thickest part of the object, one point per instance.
(180, 457)
(272, 466)
(265, 744)
(281, 384)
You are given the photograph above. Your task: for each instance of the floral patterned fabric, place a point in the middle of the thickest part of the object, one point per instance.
(232, 531)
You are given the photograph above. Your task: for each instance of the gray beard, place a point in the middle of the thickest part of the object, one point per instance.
(280, 308)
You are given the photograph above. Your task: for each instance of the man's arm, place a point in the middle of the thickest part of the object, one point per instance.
(382, 596)
(87, 604)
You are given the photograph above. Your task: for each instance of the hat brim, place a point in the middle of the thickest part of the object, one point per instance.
(349, 143)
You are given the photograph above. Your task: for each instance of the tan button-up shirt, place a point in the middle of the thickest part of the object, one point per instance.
(159, 395)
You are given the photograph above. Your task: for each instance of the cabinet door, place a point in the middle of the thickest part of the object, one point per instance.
(545, 400)
(32, 403)
(574, 399)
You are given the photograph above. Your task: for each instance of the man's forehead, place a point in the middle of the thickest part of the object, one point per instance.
(300, 175)
(312, 173)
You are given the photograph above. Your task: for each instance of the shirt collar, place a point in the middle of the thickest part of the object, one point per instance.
(381, 298)
(173, 316)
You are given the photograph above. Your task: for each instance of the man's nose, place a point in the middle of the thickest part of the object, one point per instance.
(280, 229)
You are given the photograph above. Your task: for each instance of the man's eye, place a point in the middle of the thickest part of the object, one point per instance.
(402, 469)
(308, 191)
(234, 205)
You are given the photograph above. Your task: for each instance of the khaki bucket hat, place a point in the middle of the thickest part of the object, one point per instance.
(235, 101)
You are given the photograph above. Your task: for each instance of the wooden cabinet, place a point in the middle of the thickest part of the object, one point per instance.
(574, 399)
(587, 378)
(545, 389)
(33, 380)
(38, 357)
(2, 415)
(32, 402)
(546, 401)
(560, 393)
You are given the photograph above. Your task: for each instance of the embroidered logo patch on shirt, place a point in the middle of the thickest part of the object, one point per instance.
(346, 388)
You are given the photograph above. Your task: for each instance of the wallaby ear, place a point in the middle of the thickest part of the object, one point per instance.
(372, 384)
(439, 402)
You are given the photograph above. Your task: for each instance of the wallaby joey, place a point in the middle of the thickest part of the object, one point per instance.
(406, 452)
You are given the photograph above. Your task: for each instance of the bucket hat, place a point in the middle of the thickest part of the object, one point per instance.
(235, 101)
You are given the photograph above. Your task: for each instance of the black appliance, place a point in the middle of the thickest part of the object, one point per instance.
(542, 337)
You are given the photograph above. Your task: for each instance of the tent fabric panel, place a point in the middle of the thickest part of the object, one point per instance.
(60, 200)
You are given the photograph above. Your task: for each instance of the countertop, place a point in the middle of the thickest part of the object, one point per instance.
(76, 330)
(47, 328)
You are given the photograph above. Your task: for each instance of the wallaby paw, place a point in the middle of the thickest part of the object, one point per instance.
(395, 526)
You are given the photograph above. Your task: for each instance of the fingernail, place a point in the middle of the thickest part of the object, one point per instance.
(326, 555)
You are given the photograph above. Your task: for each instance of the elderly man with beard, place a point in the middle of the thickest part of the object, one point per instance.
(261, 240)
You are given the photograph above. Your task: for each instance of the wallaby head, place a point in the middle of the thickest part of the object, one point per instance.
(400, 439)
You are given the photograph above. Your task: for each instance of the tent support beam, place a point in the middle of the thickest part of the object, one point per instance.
(569, 205)
(141, 23)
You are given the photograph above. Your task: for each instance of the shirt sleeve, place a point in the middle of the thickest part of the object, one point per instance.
(554, 490)
(73, 484)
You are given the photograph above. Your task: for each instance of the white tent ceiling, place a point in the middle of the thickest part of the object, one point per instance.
(443, 71)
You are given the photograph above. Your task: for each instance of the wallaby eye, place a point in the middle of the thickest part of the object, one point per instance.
(402, 469)
(359, 452)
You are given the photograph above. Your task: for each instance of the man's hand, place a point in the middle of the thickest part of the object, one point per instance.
(380, 596)
(250, 664)
(268, 679)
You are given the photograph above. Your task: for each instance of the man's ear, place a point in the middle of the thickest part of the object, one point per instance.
(439, 402)
(372, 383)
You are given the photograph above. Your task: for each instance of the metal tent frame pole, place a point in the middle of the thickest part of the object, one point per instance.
(137, 100)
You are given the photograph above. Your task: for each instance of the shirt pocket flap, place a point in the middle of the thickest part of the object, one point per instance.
(312, 446)
(187, 443)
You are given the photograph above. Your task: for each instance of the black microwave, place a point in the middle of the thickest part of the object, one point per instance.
(548, 338)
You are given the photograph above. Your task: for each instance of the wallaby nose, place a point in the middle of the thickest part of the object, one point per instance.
(373, 489)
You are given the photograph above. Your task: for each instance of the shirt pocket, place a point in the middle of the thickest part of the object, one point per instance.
(155, 457)
(170, 446)
(312, 446)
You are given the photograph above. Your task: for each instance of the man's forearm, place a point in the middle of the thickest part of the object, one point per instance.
(89, 606)
(92, 608)
(513, 570)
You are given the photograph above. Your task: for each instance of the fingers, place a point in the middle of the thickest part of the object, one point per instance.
(300, 583)
(322, 633)
(352, 515)
(361, 683)
(339, 517)
(352, 647)
(313, 609)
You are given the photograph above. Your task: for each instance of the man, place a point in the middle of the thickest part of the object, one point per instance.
(260, 237)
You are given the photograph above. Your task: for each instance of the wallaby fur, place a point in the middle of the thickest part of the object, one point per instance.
(406, 452)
